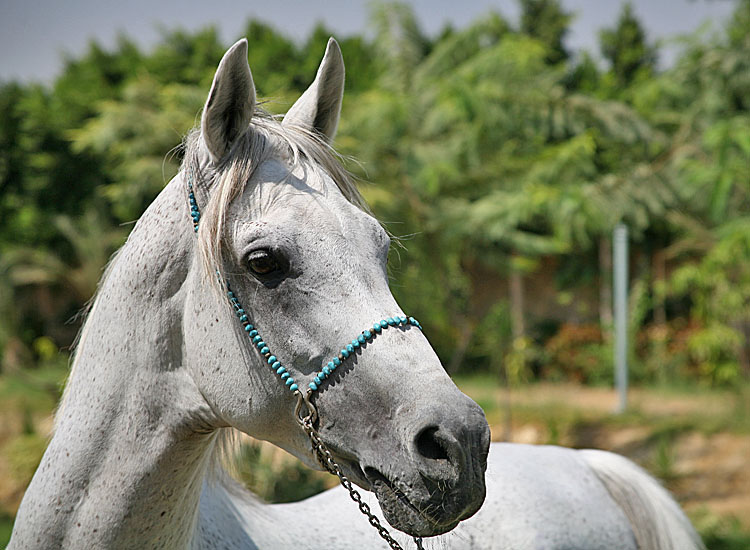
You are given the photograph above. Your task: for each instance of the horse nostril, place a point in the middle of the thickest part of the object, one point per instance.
(429, 446)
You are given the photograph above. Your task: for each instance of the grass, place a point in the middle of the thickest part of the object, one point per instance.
(721, 533)
(6, 527)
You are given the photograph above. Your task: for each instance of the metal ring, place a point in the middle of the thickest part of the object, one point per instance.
(312, 413)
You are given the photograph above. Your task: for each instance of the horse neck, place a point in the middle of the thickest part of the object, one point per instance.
(133, 437)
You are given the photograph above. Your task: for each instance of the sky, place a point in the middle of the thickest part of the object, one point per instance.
(35, 35)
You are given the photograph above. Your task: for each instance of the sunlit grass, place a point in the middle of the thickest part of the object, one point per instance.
(721, 533)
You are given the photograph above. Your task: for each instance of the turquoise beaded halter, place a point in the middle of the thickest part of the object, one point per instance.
(307, 421)
(365, 337)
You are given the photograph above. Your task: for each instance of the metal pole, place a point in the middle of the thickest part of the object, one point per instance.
(620, 269)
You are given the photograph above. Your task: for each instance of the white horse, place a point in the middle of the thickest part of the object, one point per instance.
(170, 358)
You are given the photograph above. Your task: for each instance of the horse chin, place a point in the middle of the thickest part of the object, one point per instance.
(402, 513)
(422, 513)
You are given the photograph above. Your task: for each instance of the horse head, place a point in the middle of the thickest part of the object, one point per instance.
(277, 218)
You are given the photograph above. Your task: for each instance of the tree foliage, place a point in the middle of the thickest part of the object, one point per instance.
(547, 22)
(626, 49)
(501, 163)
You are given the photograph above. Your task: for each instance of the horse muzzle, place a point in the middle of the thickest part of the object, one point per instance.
(440, 481)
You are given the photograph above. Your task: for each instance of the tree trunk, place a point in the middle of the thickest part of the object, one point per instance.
(518, 328)
(659, 267)
(464, 339)
(518, 324)
(659, 333)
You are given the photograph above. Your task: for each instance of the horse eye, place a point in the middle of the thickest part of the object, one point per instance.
(262, 262)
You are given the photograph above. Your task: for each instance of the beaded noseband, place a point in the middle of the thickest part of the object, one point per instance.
(307, 421)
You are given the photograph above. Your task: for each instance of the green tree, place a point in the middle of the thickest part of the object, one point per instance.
(719, 287)
(48, 287)
(496, 165)
(400, 43)
(40, 174)
(132, 134)
(548, 22)
(625, 47)
(500, 155)
(182, 57)
(274, 59)
(96, 75)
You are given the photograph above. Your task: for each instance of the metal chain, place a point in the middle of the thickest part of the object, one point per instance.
(326, 459)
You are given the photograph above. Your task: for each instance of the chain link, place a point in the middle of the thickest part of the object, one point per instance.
(326, 459)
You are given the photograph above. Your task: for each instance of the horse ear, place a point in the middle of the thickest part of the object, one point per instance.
(319, 107)
(230, 102)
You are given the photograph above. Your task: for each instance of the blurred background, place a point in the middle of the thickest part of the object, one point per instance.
(501, 142)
